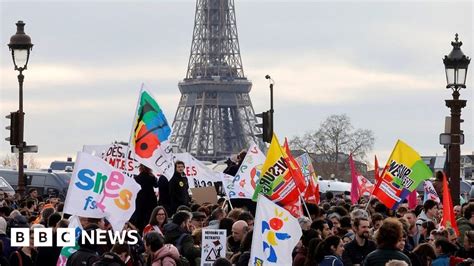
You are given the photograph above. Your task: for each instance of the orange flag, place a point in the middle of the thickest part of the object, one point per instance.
(294, 168)
(448, 220)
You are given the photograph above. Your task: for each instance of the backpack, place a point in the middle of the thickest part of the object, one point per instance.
(109, 258)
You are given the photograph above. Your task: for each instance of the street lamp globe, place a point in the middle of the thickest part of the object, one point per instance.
(20, 45)
(456, 64)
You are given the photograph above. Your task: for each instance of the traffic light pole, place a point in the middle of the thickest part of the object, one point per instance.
(271, 102)
(21, 179)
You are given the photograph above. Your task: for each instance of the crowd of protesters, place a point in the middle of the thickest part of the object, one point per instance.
(335, 232)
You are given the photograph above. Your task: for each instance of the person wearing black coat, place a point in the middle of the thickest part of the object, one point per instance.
(179, 187)
(164, 193)
(146, 199)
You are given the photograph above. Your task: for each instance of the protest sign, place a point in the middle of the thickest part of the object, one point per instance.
(213, 245)
(204, 194)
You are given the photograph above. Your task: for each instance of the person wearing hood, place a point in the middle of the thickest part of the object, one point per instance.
(178, 233)
(161, 254)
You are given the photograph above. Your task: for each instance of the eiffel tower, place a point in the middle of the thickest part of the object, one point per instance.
(215, 117)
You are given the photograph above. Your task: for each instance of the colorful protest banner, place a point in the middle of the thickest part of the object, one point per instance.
(311, 195)
(98, 190)
(242, 185)
(276, 233)
(404, 171)
(150, 136)
(213, 244)
(199, 175)
(430, 192)
(276, 181)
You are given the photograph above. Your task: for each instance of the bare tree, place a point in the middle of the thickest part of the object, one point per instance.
(335, 138)
(11, 161)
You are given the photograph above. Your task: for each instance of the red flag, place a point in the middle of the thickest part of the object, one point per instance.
(311, 195)
(355, 182)
(448, 220)
(294, 168)
(295, 208)
(376, 171)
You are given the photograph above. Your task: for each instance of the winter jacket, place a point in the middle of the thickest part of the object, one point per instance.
(331, 260)
(179, 194)
(381, 256)
(165, 256)
(146, 200)
(355, 254)
(83, 257)
(464, 226)
(441, 260)
(423, 218)
(186, 248)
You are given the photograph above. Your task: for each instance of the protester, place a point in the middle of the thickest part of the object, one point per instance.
(178, 233)
(24, 256)
(146, 199)
(161, 254)
(239, 229)
(387, 238)
(329, 252)
(356, 250)
(158, 220)
(178, 187)
(429, 213)
(87, 253)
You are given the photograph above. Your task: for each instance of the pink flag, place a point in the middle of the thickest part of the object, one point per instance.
(412, 200)
(355, 182)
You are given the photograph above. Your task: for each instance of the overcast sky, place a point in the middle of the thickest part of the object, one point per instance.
(379, 62)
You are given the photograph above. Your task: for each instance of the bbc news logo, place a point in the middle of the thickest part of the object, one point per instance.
(67, 237)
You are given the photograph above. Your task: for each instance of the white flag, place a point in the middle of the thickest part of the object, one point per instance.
(430, 192)
(198, 174)
(149, 139)
(242, 185)
(98, 190)
(275, 235)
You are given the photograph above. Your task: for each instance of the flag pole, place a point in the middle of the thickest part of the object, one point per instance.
(230, 203)
(304, 203)
(130, 150)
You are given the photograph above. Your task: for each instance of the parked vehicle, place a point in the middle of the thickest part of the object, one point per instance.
(47, 182)
(5, 187)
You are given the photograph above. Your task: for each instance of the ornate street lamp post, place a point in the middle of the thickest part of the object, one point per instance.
(20, 45)
(456, 64)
